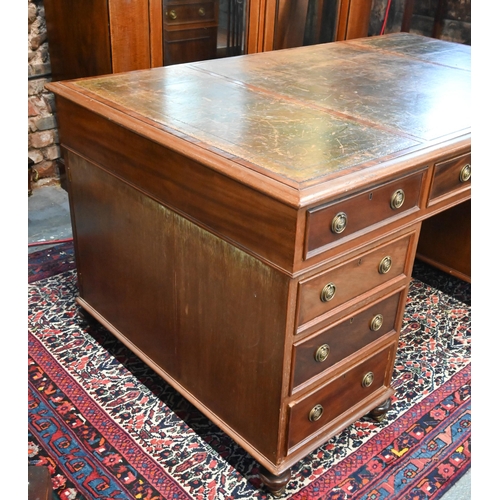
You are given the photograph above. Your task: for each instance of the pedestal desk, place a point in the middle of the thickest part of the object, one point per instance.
(248, 225)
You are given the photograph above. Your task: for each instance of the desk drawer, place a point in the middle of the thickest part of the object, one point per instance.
(324, 405)
(332, 224)
(322, 293)
(319, 352)
(178, 13)
(450, 176)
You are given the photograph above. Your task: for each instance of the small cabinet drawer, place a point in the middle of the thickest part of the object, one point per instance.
(322, 293)
(332, 224)
(323, 350)
(178, 12)
(324, 405)
(450, 176)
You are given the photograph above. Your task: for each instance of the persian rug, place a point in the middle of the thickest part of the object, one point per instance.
(108, 427)
(50, 261)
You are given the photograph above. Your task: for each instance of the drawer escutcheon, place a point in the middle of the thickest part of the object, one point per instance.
(397, 199)
(368, 379)
(315, 413)
(339, 223)
(465, 173)
(328, 292)
(376, 323)
(385, 265)
(322, 353)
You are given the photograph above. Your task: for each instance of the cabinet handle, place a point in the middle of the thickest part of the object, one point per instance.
(465, 173)
(376, 323)
(339, 223)
(315, 413)
(397, 199)
(328, 292)
(385, 265)
(368, 379)
(173, 15)
(322, 353)
(201, 12)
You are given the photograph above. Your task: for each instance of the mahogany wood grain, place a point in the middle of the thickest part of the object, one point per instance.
(339, 395)
(344, 338)
(78, 36)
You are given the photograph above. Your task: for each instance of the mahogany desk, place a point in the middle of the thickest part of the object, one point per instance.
(248, 225)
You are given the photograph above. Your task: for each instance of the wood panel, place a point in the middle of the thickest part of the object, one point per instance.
(177, 293)
(79, 43)
(129, 34)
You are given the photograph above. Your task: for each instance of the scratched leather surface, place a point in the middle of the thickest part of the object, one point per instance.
(305, 113)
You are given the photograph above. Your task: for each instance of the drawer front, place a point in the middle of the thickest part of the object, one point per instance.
(185, 46)
(322, 293)
(330, 225)
(178, 13)
(348, 389)
(318, 353)
(451, 176)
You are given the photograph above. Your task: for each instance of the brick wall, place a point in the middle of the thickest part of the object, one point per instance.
(43, 140)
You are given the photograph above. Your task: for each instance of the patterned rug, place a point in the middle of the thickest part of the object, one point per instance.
(108, 427)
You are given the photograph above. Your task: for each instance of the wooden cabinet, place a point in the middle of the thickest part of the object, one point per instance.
(97, 37)
(258, 255)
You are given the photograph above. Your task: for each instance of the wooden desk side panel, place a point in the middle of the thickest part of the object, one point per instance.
(210, 316)
(258, 223)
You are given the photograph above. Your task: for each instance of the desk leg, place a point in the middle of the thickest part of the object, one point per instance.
(275, 484)
(380, 411)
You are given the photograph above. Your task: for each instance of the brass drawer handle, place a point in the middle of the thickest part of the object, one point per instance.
(339, 223)
(385, 265)
(322, 353)
(376, 323)
(201, 12)
(368, 379)
(315, 413)
(465, 173)
(397, 199)
(173, 15)
(328, 292)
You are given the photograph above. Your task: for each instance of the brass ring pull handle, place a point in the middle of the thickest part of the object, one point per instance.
(322, 353)
(172, 14)
(376, 323)
(339, 223)
(368, 379)
(201, 12)
(328, 292)
(465, 173)
(385, 265)
(397, 199)
(315, 413)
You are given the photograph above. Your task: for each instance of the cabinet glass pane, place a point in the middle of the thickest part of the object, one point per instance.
(196, 30)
